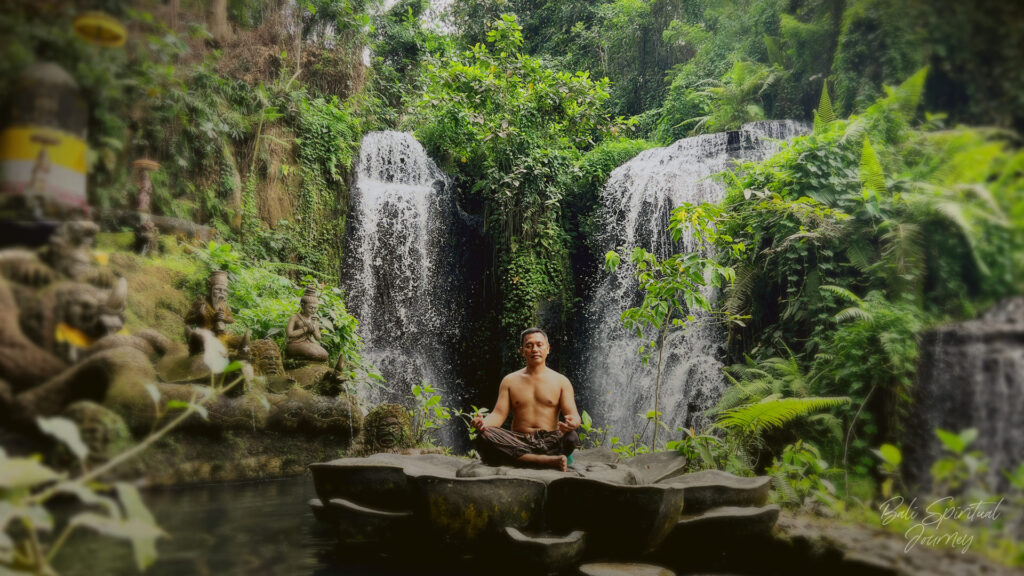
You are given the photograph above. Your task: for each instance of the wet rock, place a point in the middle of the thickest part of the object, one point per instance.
(714, 488)
(623, 520)
(470, 512)
(827, 547)
(623, 569)
(544, 553)
(657, 466)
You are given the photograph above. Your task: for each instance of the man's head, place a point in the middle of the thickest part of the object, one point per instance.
(533, 345)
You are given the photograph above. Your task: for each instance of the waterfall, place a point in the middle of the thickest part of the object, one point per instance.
(636, 204)
(398, 271)
(970, 375)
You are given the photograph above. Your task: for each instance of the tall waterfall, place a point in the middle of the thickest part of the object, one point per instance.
(399, 266)
(636, 204)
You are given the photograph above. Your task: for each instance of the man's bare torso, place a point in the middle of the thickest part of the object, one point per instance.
(535, 399)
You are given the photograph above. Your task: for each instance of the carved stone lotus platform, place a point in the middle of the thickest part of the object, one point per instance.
(537, 521)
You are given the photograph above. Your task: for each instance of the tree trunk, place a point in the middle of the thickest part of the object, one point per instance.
(217, 21)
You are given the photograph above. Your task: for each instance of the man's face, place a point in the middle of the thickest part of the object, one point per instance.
(535, 348)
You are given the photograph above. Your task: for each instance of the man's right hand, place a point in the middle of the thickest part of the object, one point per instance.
(478, 423)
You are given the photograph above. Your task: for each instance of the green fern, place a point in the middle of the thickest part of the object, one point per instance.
(843, 293)
(824, 115)
(775, 413)
(853, 313)
(871, 174)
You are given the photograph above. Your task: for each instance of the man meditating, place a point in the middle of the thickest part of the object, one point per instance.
(535, 394)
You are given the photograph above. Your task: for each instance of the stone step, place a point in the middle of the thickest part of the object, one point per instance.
(623, 569)
(714, 488)
(721, 528)
(361, 525)
(319, 511)
(544, 553)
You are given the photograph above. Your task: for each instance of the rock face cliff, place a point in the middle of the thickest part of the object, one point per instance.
(971, 375)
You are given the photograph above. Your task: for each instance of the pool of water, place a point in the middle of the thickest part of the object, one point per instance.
(252, 528)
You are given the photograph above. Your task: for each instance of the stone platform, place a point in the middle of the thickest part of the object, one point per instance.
(540, 521)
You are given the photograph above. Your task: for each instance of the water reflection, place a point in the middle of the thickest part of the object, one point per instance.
(249, 528)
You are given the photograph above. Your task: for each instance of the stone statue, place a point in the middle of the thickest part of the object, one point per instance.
(147, 238)
(212, 312)
(304, 331)
(85, 314)
(69, 250)
(145, 193)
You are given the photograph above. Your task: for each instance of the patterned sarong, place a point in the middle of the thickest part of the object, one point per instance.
(498, 446)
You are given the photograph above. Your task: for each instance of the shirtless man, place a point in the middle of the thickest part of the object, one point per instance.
(536, 395)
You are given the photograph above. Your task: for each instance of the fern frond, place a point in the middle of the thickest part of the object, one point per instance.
(741, 291)
(843, 293)
(775, 413)
(860, 253)
(784, 491)
(854, 129)
(853, 313)
(903, 246)
(871, 174)
(907, 96)
(831, 423)
(824, 114)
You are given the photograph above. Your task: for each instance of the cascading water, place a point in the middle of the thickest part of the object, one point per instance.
(399, 267)
(636, 204)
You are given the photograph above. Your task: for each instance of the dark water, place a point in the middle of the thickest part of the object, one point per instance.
(252, 528)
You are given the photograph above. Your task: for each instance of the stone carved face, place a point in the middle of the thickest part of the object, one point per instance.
(218, 294)
(387, 428)
(309, 307)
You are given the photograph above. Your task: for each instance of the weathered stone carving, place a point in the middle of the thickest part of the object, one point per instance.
(304, 332)
(211, 312)
(387, 428)
(70, 250)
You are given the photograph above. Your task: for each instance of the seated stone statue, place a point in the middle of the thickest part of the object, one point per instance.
(212, 312)
(304, 331)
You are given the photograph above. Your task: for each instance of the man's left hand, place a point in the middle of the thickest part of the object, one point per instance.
(571, 423)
